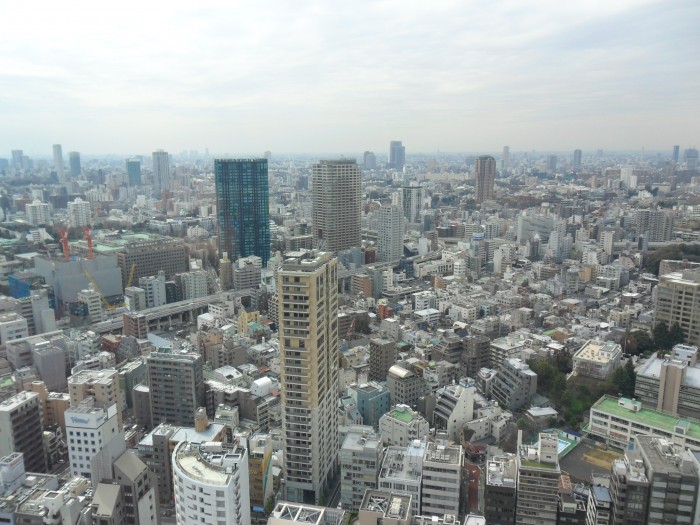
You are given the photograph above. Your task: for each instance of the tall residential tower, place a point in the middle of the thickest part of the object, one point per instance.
(242, 204)
(161, 171)
(337, 204)
(485, 177)
(308, 334)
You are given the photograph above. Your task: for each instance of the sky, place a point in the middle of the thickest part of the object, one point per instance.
(343, 76)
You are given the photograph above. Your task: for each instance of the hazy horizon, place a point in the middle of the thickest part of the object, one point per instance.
(329, 77)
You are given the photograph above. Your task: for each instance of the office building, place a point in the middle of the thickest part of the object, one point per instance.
(211, 483)
(89, 428)
(102, 385)
(93, 303)
(371, 400)
(80, 213)
(12, 326)
(191, 285)
(337, 204)
(17, 155)
(151, 255)
(500, 489)
(670, 385)
(485, 176)
(577, 159)
(20, 421)
(405, 387)
(176, 383)
(369, 161)
(58, 160)
(390, 233)
(397, 155)
(678, 301)
(402, 472)
(38, 213)
(412, 202)
(361, 457)
(514, 384)
(476, 355)
(537, 484)
(690, 156)
(454, 408)
(381, 507)
(676, 154)
(308, 335)
(74, 163)
(260, 469)
(628, 489)
(597, 359)
(505, 163)
(154, 288)
(673, 480)
(242, 207)
(246, 273)
(133, 172)
(441, 486)
(382, 354)
(401, 425)
(134, 298)
(552, 161)
(135, 325)
(161, 172)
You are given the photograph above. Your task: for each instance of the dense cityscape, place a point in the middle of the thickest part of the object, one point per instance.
(379, 337)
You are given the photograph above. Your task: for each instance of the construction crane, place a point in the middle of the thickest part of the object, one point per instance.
(64, 243)
(132, 272)
(91, 280)
(87, 235)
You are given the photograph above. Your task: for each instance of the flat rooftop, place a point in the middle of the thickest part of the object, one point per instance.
(648, 417)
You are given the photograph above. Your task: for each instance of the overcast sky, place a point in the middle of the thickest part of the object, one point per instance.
(344, 76)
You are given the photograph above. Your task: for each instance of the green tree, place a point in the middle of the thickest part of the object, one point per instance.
(676, 334)
(661, 336)
(639, 342)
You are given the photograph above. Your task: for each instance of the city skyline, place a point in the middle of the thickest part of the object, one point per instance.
(434, 77)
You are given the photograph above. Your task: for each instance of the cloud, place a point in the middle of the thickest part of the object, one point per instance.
(347, 76)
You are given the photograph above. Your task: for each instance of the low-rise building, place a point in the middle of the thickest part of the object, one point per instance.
(597, 359)
(401, 425)
(514, 384)
(360, 460)
(500, 491)
(402, 471)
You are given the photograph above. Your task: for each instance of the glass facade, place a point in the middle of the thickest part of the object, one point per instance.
(243, 208)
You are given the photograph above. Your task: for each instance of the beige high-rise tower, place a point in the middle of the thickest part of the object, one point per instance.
(485, 177)
(307, 286)
(337, 204)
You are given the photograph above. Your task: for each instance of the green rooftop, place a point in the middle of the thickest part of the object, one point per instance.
(649, 417)
(405, 417)
(538, 464)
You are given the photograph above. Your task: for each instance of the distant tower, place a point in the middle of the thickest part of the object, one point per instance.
(17, 155)
(676, 154)
(74, 163)
(577, 159)
(485, 177)
(308, 336)
(390, 233)
(552, 163)
(370, 161)
(505, 163)
(133, 172)
(336, 204)
(242, 207)
(161, 171)
(411, 199)
(58, 160)
(691, 158)
(397, 155)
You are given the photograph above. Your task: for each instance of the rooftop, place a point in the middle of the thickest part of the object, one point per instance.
(210, 462)
(647, 416)
(598, 351)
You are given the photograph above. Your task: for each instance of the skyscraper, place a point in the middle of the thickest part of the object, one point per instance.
(74, 162)
(308, 334)
(397, 155)
(133, 172)
(242, 207)
(552, 163)
(58, 160)
(390, 233)
(17, 155)
(676, 154)
(506, 158)
(370, 160)
(411, 200)
(691, 158)
(337, 204)
(485, 177)
(161, 171)
(577, 159)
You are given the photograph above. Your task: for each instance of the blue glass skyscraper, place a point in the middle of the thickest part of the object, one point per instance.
(242, 203)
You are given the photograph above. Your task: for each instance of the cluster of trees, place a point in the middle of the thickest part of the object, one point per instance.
(574, 398)
(676, 252)
(666, 338)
